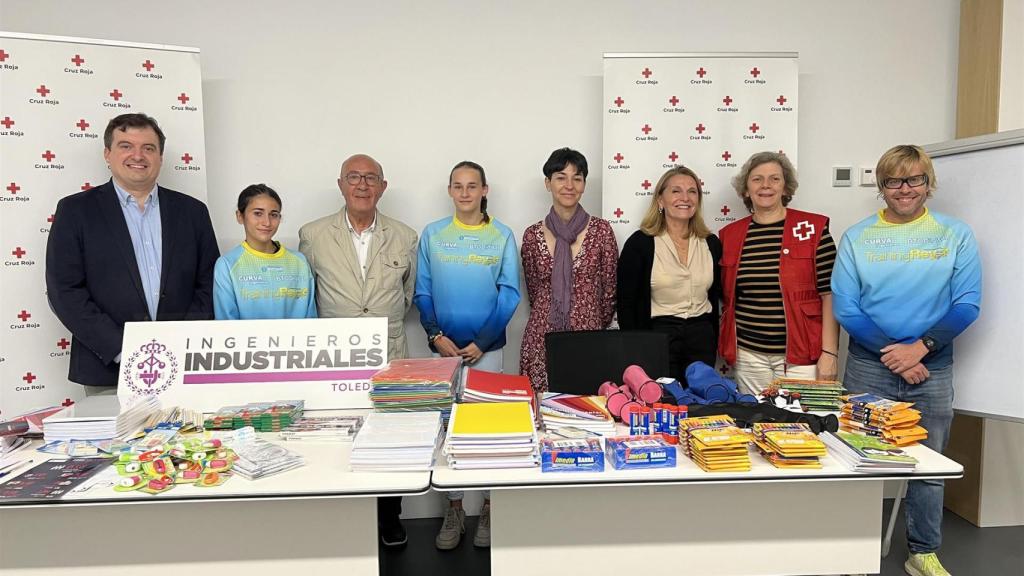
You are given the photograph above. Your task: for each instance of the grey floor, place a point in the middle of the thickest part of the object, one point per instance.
(966, 550)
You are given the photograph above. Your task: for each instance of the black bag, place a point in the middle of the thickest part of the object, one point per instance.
(747, 414)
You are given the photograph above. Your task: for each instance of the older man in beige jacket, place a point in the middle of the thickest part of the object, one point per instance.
(365, 265)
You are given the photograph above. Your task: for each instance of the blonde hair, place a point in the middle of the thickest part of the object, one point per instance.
(653, 223)
(901, 160)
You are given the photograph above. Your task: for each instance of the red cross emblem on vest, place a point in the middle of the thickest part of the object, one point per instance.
(803, 230)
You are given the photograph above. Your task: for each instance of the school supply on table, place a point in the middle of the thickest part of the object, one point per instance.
(638, 452)
(51, 479)
(323, 428)
(706, 386)
(559, 411)
(34, 419)
(499, 435)
(262, 416)
(788, 445)
(564, 455)
(417, 384)
(619, 399)
(862, 453)
(643, 387)
(802, 395)
(484, 386)
(399, 441)
(715, 443)
(258, 458)
(154, 468)
(895, 422)
(746, 415)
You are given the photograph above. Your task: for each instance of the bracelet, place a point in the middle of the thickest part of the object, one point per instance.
(823, 351)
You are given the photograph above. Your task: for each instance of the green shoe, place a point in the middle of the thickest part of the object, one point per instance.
(924, 565)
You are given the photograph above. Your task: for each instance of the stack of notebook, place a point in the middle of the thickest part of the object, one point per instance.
(484, 386)
(867, 453)
(492, 435)
(560, 411)
(416, 384)
(396, 442)
(820, 395)
(894, 422)
(715, 443)
(788, 444)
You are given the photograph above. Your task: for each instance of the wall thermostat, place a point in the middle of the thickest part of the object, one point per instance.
(867, 176)
(842, 176)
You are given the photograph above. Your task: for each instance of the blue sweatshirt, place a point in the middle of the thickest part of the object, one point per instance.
(467, 281)
(896, 283)
(252, 285)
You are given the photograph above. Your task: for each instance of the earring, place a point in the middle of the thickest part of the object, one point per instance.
(661, 209)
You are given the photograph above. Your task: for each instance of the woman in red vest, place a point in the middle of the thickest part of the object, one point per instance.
(776, 271)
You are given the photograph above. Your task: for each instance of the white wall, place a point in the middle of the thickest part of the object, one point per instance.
(292, 88)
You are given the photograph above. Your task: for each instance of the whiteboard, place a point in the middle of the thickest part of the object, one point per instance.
(981, 181)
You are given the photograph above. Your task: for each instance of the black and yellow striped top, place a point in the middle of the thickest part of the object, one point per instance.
(760, 318)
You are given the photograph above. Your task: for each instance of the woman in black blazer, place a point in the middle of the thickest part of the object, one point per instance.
(668, 273)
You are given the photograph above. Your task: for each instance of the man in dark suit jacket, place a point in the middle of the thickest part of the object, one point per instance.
(127, 251)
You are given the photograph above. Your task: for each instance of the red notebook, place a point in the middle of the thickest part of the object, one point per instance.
(484, 386)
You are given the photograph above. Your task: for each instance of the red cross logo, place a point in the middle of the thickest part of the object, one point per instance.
(754, 127)
(700, 128)
(78, 60)
(67, 402)
(43, 90)
(726, 155)
(7, 122)
(13, 188)
(725, 210)
(186, 158)
(727, 100)
(647, 73)
(18, 252)
(63, 343)
(781, 100)
(3, 55)
(50, 219)
(82, 124)
(803, 230)
(646, 184)
(116, 94)
(86, 186)
(618, 157)
(618, 212)
(701, 72)
(673, 156)
(646, 129)
(29, 377)
(724, 369)
(49, 156)
(24, 315)
(755, 72)
(148, 66)
(673, 100)
(183, 98)
(619, 101)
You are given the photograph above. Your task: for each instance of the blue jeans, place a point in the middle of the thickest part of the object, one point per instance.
(934, 398)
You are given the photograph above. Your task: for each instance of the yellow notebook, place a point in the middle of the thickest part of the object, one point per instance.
(492, 419)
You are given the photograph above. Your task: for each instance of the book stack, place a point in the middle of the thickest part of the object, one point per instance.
(895, 422)
(818, 395)
(484, 386)
(323, 428)
(788, 444)
(416, 384)
(590, 413)
(862, 453)
(262, 416)
(396, 442)
(715, 443)
(492, 435)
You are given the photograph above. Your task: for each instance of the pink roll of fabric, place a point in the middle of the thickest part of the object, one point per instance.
(618, 398)
(643, 387)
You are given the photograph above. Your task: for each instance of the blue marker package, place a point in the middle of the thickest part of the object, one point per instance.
(635, 452)
(571, 455)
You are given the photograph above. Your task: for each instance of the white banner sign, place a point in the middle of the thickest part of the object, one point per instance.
(56, 96)
(326, 362)
(708, 112)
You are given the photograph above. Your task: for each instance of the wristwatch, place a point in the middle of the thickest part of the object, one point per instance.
(929, 343)
(433, 337)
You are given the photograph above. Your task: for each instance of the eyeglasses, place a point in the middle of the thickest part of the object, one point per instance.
(912, 181)
(353, 178)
